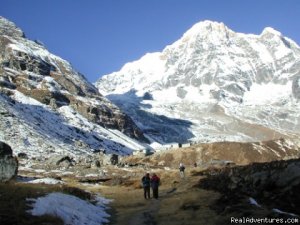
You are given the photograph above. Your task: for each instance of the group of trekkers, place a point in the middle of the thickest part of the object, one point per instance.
(154, 182)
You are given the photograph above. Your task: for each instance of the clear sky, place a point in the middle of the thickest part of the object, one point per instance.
(99, 36)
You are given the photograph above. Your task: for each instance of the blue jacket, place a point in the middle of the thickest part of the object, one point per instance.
(146, 181)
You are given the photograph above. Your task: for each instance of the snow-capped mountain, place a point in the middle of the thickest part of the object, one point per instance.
(213, 84)
(46, 106)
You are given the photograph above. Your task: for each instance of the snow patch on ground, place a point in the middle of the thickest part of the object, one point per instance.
(254, 202)
(92, 175)
(72, 210)
(46, 181)
(285, 213)
(40, 171)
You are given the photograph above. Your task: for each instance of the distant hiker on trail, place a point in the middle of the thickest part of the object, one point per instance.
(181, 170)
(155, 182)
(146, 185)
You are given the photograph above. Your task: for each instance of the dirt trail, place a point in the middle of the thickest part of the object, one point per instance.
(150, 212)
(178, 203)
(147, 215)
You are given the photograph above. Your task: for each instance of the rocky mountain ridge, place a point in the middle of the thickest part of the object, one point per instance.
(46, 104)
(213, 84)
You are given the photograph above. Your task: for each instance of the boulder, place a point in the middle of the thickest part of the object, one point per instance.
(108, 159)
(60, 161)
(5, 149)
(8, 163)
(22, 155)
(96, 164)
(114, 159)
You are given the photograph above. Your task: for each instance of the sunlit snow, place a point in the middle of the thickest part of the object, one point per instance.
(261, 94)
(72, 210)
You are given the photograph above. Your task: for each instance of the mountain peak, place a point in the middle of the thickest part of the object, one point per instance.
(270, 30)
(199, 81)
(9, 28)
(205, 27)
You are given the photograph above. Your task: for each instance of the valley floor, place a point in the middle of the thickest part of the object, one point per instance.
(178, 203)
(182, 201)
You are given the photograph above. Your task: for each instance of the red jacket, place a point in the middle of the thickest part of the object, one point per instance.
(155, 181)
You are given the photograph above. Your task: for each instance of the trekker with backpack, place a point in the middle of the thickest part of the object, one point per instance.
(146, 185)
(181, 170)
(155, 182)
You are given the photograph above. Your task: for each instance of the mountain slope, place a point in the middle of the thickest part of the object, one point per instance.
(46, 106)
(213, 84)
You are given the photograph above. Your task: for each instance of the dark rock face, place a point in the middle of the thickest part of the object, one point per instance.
(22, 61)
(275, 184)
(108, 116)
(8, 164)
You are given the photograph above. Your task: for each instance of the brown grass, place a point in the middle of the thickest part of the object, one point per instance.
(190, 206)
(179, 202)
(13, 204)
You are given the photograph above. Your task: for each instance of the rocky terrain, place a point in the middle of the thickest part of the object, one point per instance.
(274, 185)
(212, 192)
(204, 155)
(47, 106)
(213, 84)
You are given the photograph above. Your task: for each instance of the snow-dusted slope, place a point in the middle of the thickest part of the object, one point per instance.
(213, 84)
(48, 107)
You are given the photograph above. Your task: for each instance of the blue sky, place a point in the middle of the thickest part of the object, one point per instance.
(99, 36)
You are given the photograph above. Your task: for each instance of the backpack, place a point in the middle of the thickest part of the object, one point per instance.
(181, 168)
